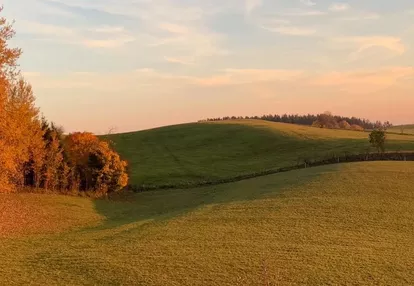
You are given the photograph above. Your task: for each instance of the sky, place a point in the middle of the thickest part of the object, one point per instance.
(125, 65)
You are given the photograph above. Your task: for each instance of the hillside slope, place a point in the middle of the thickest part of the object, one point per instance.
(407, 129)
(200, 152)
(345, 224)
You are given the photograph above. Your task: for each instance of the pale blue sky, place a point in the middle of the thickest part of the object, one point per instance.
(134, 64)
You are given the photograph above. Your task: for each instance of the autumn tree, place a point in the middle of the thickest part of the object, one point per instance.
(21, 136)
(53, 161)
(107, 169)
(386, 125)
(8, 140)
(356, 127)
(326, 120)
(20, 131)
(344, 125)
(98, 166)
(35, 153)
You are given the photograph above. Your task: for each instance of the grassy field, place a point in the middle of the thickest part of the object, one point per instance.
(345, 224)
(408, 129)
(194, 153)
(22, 214)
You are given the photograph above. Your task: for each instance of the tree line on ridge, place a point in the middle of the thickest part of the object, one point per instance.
(323, 120)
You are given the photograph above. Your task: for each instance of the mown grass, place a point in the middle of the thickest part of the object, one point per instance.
(204, 152)
(349, 224)
(22, 214)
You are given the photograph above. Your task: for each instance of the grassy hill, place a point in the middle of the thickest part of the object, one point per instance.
(341, 224)
(200, 152)
(408, 129)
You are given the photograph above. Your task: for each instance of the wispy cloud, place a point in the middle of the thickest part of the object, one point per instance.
(362, 44)
(176, 31)
(145, 78)
(244, 76)
(98, 37)
(102, 81)
(361, 16)
(55, 11)
(354, 81)
(174, 28)
(46, 31)
(364, 81)
(304, 13)
(339, 7)
(191, 44)
(290, 30)
(181, 61)
(109, 43)
(108, 29)
(216, 49)
(251, 5)
(308, 2)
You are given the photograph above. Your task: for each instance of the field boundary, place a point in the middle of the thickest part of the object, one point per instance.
(305, 163)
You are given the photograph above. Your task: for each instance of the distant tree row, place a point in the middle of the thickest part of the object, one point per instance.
(35, 153)
(323, 120)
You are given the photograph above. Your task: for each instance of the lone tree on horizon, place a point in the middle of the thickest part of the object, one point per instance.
(377, 139)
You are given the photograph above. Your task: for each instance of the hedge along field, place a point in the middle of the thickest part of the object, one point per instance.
(191, 154)
(344, 224)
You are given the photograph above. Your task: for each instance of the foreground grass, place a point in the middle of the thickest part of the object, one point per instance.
(22, 214)
(348, 224)
(196, 153)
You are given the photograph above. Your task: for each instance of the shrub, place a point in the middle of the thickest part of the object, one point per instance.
(326, 120)
(356, 127)
(377, 139)
(98, 166)
(344, 125)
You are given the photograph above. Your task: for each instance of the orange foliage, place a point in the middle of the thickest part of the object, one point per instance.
(18, 116)
(80, 145)
(99, 167)
(344, 125)
(356, 127)
(34, 154)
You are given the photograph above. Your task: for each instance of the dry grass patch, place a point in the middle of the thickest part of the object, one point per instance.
(26, 214)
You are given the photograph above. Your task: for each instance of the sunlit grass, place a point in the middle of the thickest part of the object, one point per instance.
(22, 214)
(349, 224)
(194, 153)
(406, 129)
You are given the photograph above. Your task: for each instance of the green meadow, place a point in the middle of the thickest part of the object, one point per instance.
(320, 199)
(405, 129)
(191, 154)
(345, 224)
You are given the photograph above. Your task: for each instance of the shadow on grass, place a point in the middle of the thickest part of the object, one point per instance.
(168, 204)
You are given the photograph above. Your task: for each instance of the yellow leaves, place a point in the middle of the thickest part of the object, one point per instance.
(31, 151)
(101, 167)
(19, 130)
(80, 145)
(16, 113)
(8, 56)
